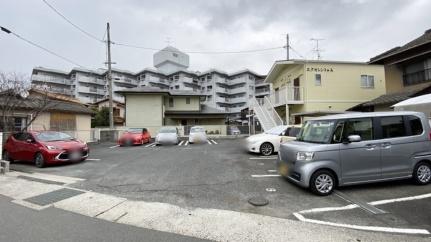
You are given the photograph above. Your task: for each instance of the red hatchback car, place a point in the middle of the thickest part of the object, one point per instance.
(134, 136)
(44, 147)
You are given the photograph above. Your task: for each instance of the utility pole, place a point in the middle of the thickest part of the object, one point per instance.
(317, 49)
(111, 111)
(287, 46)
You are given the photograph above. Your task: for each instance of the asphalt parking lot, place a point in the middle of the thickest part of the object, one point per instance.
(220, 174)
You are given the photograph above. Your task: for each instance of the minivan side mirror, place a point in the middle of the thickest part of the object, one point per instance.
(354, 138)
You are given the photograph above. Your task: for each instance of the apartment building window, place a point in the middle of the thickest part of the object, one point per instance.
(318, 79)
(171, 102)
(367, 81)
(177, 86)
(209, 88)
(187, 100)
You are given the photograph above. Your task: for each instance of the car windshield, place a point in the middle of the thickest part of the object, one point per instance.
(276, 130)
(167, 130)
(316, 131)
(52, 136)
(134, 130)
(197, 130)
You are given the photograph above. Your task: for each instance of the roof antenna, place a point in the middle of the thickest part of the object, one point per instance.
(316, 49)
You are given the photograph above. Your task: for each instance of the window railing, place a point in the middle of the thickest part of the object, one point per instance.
(417, 77)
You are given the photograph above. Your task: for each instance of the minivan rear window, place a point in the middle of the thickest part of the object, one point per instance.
(415, 125)
(392, 127)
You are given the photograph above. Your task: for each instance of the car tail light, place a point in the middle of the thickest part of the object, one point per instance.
(430, 136)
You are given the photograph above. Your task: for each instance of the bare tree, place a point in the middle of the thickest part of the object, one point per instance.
(17, 94)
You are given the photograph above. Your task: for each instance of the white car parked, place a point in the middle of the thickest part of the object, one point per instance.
(197, 134)
(269, 142)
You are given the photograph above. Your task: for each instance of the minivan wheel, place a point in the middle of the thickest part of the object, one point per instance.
(39, 161)
(422, 173)
(322, 183)
(266, 149)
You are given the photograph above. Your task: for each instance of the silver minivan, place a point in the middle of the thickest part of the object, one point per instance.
(354, 148)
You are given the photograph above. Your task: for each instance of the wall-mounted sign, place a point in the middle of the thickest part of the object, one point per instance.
(320, 69)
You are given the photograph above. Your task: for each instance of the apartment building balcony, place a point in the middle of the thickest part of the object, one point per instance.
(91, 90)
(126, 82)
(64, 91)
(158, 82)
(237, 81)
(236, 109)
(238, 100)
(262, 91)
(237, 90)
(287, 95)
(92, 80)
(37, 78)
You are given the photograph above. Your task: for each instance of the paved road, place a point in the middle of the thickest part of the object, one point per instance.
(220, 176)
(18, 223)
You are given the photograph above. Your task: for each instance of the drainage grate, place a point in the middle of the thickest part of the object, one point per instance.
(41, 180)
(54, 196)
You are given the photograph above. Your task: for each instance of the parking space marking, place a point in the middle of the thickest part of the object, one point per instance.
(359, 227)
(300, 216)
(267, 175)
(115, 146)
(209, 142)
(262, 158)
(361, 204)
(181, 143)
(403, 199)
(214, 141)
(92, 159)
(272, 171)
(150, 145)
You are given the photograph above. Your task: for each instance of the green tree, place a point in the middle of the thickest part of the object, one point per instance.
(101, 119)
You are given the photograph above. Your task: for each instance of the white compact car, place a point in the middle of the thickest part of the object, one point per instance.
(167, 135)
(269, 142)
(197, 134)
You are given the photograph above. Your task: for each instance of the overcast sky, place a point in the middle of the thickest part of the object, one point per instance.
(353, 30)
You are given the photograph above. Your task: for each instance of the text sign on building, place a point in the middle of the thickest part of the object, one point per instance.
(320, 69)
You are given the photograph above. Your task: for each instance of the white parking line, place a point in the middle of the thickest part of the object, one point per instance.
(152, 144)
(267, 175)
(262, 158)
(299, 216)
(214, 141)
(115, 146)
(187, 143)
(209, 142)
(91, 159)
(181, 143)
(368, 228)
(272, 171)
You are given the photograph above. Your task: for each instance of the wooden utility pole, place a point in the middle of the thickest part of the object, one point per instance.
(111, 111)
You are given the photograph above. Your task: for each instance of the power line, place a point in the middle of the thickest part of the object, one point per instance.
(199, 52)
(154, 49)
(290, 47)
(70, 22)
(39, 46)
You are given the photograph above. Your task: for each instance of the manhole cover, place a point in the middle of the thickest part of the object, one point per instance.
(270, 189)
(258, 201)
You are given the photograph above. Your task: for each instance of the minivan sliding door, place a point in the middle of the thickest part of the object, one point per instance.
(360, 161)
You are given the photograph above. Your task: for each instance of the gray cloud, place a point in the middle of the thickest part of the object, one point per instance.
(352, 29)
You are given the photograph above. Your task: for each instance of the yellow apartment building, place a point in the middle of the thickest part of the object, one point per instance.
(306, 87)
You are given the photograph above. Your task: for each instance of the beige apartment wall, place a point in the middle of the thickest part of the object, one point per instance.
(287, 76)
(144, 111)
(341, 85)
(181, 105)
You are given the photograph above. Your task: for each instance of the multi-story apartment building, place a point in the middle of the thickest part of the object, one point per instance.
(229, 92)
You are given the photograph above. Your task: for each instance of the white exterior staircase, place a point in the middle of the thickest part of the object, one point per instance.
(265, 113)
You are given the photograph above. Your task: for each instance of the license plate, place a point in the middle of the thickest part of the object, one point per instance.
(75, 156)
(283, 169)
